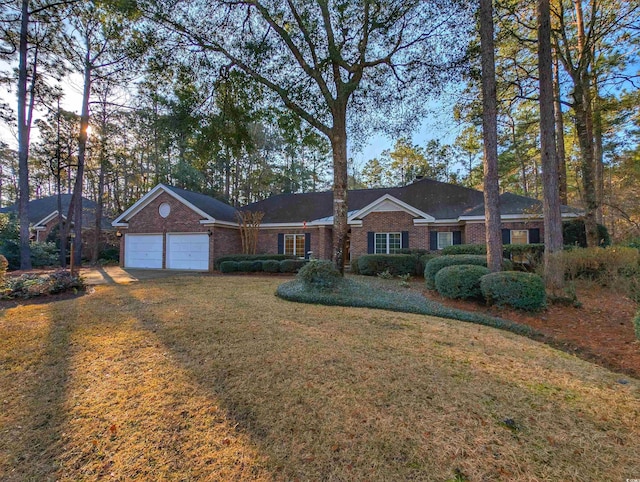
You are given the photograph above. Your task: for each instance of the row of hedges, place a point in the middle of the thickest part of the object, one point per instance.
(436, 264)
(262, 266)
(250, 257)
(467, 277)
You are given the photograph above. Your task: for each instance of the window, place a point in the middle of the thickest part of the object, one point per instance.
(444, 240)
(519, 236)
(388, 243)
(294, 244)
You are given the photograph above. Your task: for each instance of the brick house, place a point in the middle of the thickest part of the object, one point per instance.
(43, 215)
(173, 228)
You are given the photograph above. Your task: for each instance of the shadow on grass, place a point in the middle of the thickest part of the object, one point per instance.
(34, 439)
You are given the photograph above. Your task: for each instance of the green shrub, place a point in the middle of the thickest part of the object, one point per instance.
(229, 266)
(249, 266)
(320, 274)
(250, 257)
(465, 249)
(636, 324)
(396, 264)
(529, 255)
(460, 281)
(44, 255)
(354, 266)
(574, 233)
(436, 264)
(33, 285)
(270, 266)
(524, 291)
(291, 265)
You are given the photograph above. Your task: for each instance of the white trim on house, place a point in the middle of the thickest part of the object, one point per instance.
(515, 217)
(148, 198)
(46, 219)
(382, 204)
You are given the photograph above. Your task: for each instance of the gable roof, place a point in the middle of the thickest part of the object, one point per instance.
(209, 208)
(42, 210)
(427, 196)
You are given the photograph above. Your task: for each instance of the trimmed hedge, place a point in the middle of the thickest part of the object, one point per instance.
(271, 266)
(465, 249)
(396, 264)
(319, 274)
(460, 281)
(250, 257)
(531, 252)
(523, 291)
(436, 264)
(250, 266)
(291, 265)
(229, 266)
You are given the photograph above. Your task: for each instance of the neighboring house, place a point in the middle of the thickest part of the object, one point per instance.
(43, 215)
(176, 229)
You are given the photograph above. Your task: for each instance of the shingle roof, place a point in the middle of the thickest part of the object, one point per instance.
(439, 199)
(43, 207)
(213, 207)
(515, 204)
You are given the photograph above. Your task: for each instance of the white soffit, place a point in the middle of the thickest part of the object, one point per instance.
(388, 203)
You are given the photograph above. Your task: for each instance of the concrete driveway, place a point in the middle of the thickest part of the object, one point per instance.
(106, 275)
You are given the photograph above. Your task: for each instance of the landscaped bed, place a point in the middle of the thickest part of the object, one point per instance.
(215, 378)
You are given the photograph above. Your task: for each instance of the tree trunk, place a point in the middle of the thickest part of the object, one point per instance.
(490, 134)
(559, 128)
(75, 208)
(23, 142)
(553, 271)
(340, 178)
(597, 149)
(100, 200)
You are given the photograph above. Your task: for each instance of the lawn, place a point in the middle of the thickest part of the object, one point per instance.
(190, 379)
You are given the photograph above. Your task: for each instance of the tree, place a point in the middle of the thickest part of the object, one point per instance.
(325, 59)
(490, 136)
(554, 274)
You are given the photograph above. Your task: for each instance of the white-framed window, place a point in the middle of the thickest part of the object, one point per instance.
(294, 245)
(388, 243)
(519, 236)
(444, 239)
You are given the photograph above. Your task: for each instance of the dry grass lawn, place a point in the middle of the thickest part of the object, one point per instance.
(214, 378)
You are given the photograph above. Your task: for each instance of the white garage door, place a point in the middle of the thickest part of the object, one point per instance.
(188, 251)
(143, 250)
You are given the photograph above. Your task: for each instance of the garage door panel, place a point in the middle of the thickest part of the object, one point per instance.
(143, 251)
(188, 251)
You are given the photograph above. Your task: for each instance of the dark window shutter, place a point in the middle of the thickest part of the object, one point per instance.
(506, 236)
(280, 243)
(457, 237)
(534, 235)
(405, 239)
(433, 240)
(307, 244)
(371, 247)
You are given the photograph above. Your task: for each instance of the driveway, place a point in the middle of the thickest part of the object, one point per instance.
(115, 275)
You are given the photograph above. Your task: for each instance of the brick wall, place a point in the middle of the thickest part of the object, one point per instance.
(475, 232)
(181, 219)
(387, 222)
(268, 239)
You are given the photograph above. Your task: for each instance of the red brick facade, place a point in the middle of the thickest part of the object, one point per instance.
(181, 219)
(225, 240)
